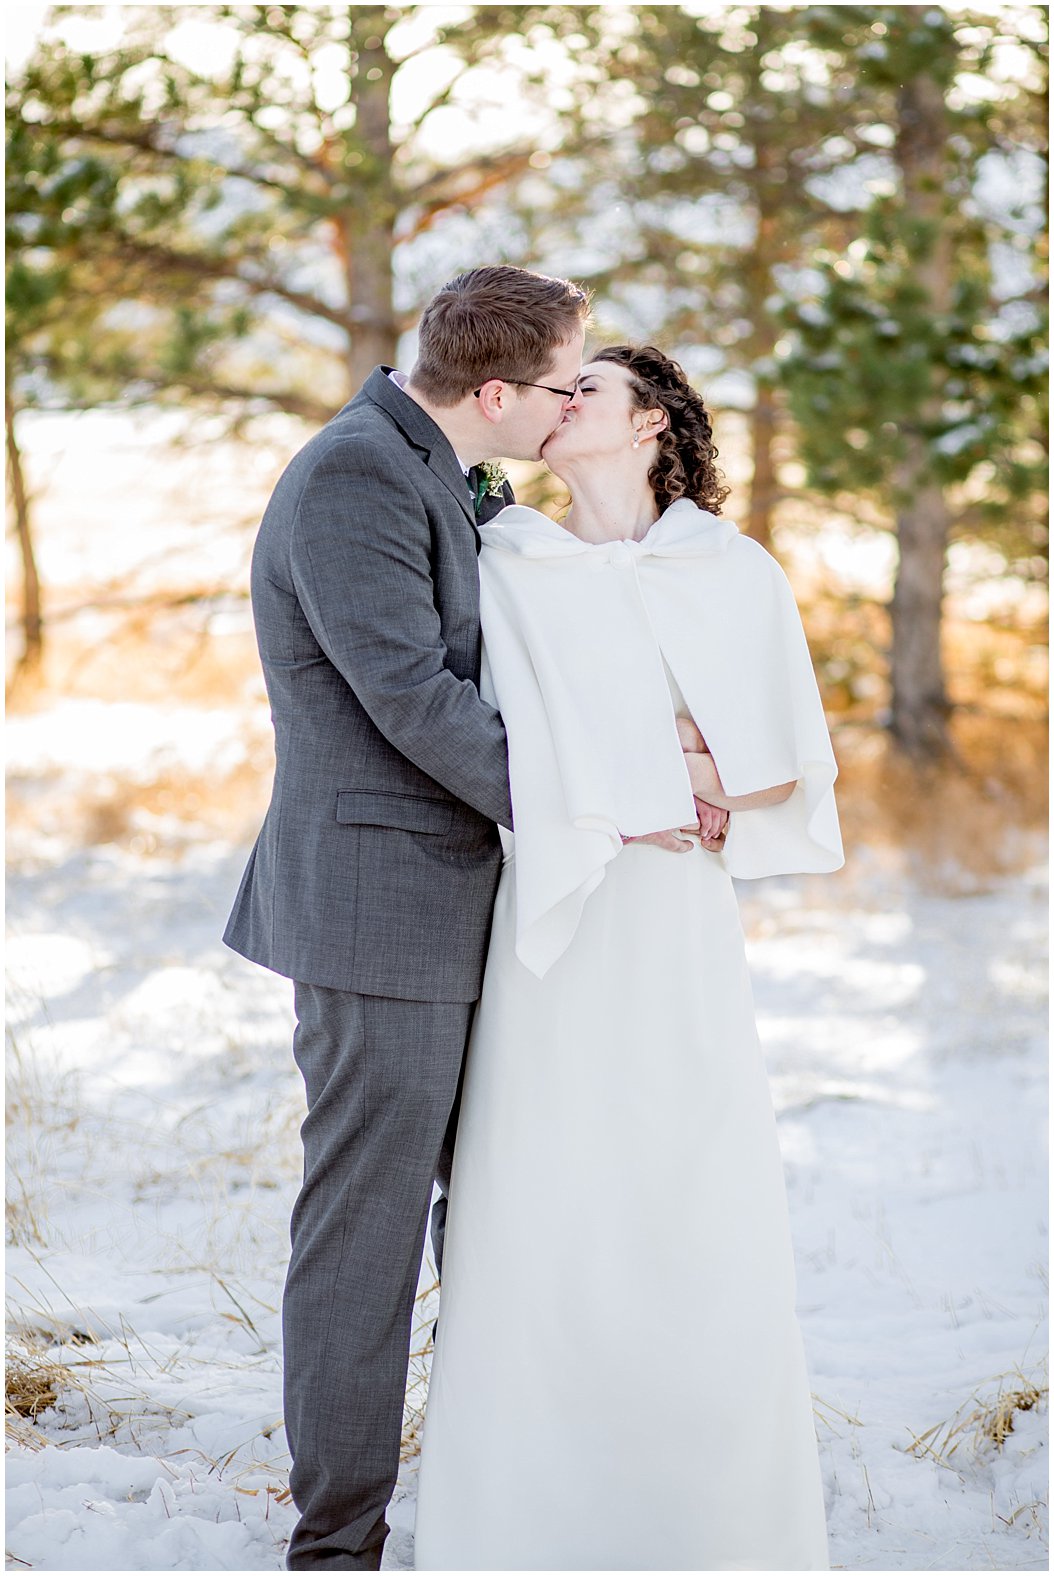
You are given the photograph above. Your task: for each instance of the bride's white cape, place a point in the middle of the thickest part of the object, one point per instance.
(619, 1381)
(717, 609)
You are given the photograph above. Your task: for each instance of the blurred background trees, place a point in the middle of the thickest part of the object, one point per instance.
(919, 366)
(833, 215)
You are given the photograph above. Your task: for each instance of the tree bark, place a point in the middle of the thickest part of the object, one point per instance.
(365, 232)
(763, 482)
(920, 706)
(760, 271)
(32, 621)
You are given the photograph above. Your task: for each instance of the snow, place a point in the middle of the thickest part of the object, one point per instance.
(958, 438)
(154, 1110)
(126, 740)
(155, 1157)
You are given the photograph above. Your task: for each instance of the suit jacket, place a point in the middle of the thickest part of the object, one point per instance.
(377, 863)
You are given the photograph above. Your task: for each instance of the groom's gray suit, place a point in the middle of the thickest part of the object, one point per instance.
(371, 886)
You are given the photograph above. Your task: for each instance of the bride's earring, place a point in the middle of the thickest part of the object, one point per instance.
(636, 440)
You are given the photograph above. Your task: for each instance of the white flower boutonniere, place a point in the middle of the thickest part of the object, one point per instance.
(492, 479)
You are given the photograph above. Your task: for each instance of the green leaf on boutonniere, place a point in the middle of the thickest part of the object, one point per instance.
(492, 479)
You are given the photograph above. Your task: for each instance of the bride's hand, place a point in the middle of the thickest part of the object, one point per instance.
(713, 825)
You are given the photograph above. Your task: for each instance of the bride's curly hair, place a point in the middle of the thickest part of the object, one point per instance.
(684, 462)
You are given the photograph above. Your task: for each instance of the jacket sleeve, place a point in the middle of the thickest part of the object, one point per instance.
(360, 563)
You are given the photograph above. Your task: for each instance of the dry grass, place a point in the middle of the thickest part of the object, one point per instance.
(37, 1382)
(49, 1362)
(957, 824)
(975, 814)
(983, 1423)
(33, 1382)
(823, 1411)
(417, 1376)
(40, 1099)
(160, 815)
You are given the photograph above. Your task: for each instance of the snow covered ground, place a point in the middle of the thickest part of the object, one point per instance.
(154, 1104)
(154, 1159)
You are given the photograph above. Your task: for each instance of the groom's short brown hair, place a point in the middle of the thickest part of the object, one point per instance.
(494, 322)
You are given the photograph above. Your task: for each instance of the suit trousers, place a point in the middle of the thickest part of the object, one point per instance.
(381, 1077)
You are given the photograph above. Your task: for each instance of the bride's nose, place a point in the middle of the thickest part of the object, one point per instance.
(574, 403)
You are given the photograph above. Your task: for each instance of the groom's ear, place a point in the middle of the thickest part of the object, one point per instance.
(493, 398)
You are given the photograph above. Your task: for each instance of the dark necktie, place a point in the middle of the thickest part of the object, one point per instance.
(473, 478)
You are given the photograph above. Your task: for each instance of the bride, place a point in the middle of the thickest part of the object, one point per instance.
(618, 1380)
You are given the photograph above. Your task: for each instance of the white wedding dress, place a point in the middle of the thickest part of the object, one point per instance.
(618, 1381)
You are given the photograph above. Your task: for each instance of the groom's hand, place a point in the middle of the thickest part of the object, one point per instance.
(711, 830)
(712, 825)
(675, 842)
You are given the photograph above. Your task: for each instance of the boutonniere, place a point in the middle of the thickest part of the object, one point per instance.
(492, 479)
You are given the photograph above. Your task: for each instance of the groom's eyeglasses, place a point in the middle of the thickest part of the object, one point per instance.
(520, 384)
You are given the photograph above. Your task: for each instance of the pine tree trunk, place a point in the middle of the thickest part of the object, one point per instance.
(920, 708)
(32, 622)
(366, 236)
(763, 483)
(761, 263)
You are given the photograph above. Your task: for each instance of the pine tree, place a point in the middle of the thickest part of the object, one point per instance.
(725, 130)
(913, 372)
(55, 303)
(227, 233)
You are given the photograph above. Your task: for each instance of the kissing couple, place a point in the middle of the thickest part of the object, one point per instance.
(518, 763)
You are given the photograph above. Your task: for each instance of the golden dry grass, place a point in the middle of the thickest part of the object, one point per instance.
(33, 1382)
(417, 1374)
(984, 1422)
(957, 824)
(976, 812)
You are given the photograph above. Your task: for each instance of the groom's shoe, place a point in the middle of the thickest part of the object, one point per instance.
(370, 1561)
(304, 1555)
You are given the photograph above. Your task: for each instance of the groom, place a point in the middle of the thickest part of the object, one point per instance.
(373, 877)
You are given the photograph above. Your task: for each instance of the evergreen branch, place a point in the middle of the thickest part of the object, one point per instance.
(439, 192)
(218, 267)
(441, 99)
(208, 86)
(287, 400)
(437, 189)
(495, 176)
(147, 141)
(154, 383)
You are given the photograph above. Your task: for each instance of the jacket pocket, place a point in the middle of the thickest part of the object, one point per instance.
(409, 812)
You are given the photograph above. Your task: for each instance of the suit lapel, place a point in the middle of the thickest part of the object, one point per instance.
(421, 431)
(443, 462)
